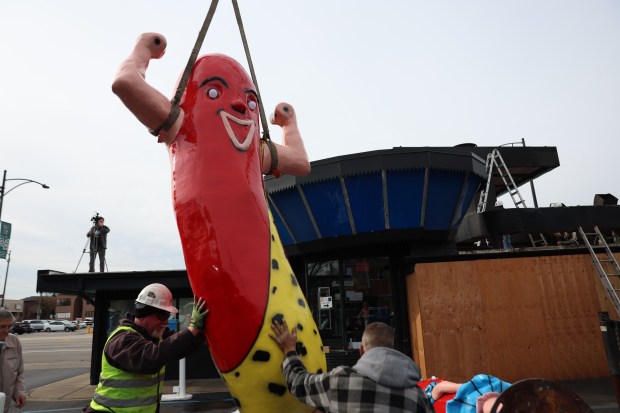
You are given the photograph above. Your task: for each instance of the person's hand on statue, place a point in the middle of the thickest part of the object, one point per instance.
(285, 339)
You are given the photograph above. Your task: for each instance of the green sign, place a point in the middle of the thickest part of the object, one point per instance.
(5, 237)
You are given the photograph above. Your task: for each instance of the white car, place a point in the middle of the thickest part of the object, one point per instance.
(78, 324)
(57, 326)
(37, 325)
(69, 326)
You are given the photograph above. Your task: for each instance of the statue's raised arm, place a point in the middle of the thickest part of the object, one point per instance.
(292, 156)
(148, 104)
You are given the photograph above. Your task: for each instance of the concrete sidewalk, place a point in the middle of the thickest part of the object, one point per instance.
(70, 395)
(78, 388)
(211, 395)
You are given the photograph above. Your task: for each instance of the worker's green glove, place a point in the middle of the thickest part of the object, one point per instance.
(199, 312)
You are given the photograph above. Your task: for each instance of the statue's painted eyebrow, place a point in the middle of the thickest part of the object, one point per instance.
(252, 91)
(209, 79)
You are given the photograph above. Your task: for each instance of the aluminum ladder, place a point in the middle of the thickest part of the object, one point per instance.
(609, 261)
(494, 158)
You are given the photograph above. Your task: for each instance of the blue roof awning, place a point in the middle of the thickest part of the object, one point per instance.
(398, 189)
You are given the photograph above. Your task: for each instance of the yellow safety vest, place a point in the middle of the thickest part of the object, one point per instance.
(119, 391)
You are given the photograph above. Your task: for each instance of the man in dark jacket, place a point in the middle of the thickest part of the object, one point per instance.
(383, 380)
(98, 235)
(135, 355)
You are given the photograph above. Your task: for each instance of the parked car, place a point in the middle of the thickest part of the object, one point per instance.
(37, 325)
(69, 324)
(21, 328)
(89, 321)
(58, 326)
(79, 324)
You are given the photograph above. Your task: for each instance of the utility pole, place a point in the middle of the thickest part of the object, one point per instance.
(6, 277)
(2, 193)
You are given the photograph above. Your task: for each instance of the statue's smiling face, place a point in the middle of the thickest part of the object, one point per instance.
(226, 93)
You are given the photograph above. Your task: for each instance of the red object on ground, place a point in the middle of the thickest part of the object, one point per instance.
(440, 404)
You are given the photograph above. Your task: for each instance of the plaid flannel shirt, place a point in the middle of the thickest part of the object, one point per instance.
(345, 390)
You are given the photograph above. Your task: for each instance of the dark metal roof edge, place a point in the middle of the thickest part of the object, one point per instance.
(499, 221)
(391, 159)
(57, 282)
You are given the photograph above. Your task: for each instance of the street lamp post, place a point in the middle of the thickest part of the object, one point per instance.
(4, 192)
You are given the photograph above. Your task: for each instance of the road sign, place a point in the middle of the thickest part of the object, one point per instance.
(5, 237)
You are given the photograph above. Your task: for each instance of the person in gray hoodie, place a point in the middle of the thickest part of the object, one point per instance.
(383, 380)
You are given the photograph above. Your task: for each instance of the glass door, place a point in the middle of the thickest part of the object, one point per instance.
(323, 278)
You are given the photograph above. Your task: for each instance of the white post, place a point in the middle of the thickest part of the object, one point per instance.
(182, 377)
(178, 391)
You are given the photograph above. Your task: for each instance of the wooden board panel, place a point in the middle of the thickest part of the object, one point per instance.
(512, 317)
(518, 329)
(415, 320)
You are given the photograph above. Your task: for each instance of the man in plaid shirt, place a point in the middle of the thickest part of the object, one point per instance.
(383, 380)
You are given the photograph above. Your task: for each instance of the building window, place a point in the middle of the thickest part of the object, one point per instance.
(116, 312)
(63, 302)
(323, 268)
(186, 305)
(90, 314)
(63, 316)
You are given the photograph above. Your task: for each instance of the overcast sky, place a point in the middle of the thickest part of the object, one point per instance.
(362, 76)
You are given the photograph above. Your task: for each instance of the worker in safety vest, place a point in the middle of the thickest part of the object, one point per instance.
(136, 353)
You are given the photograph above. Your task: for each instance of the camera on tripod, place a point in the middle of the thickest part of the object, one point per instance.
(95, 218)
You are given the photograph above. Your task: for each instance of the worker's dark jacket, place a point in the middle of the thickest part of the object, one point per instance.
(135, 354)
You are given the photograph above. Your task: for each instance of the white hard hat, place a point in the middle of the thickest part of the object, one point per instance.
(158, 296)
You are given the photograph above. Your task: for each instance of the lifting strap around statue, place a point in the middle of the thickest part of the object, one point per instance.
(174, 111)
(263, 118)
(273, 168)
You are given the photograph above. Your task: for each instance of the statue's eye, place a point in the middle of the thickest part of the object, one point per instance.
(213, 93)
(252, 104)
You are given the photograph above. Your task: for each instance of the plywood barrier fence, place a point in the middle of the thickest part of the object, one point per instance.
(514, 318)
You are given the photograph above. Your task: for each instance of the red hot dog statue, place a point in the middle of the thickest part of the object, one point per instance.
(232, 250)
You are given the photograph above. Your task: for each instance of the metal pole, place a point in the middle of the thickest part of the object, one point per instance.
(531, 183)
(6, 277)
(2, 193)
(39, 307)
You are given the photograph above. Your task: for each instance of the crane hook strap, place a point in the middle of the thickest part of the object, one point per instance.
(194, 55)
(263, 118)
(174, 110)
(273, 151)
